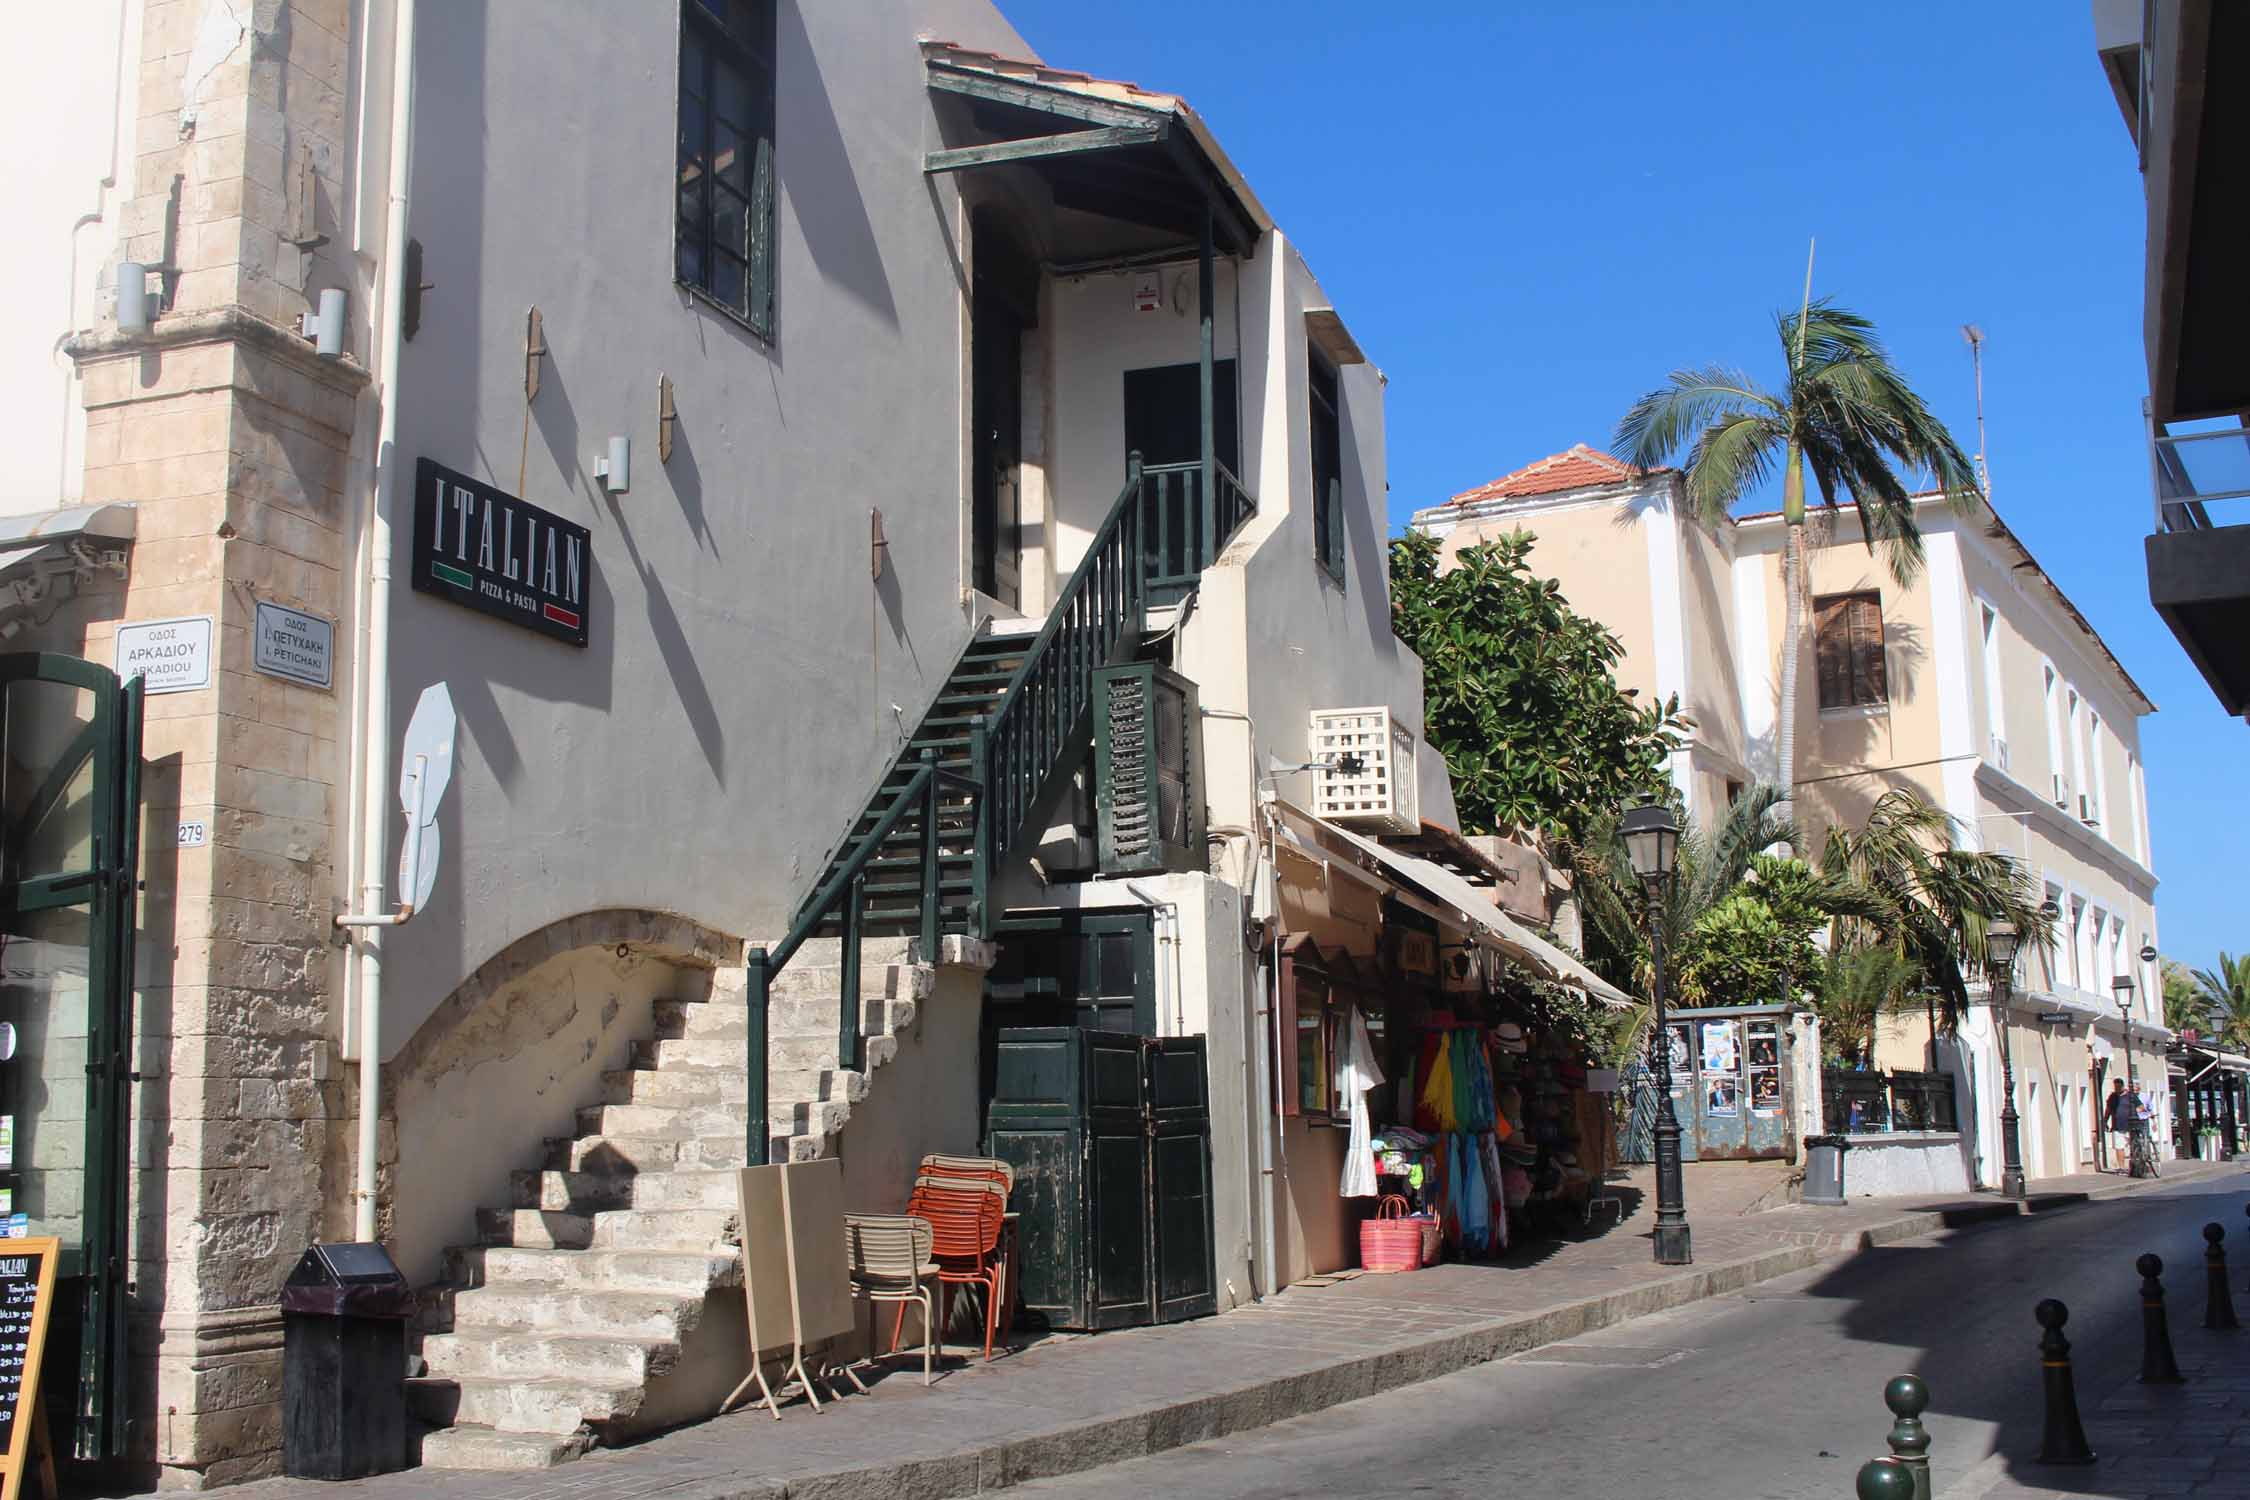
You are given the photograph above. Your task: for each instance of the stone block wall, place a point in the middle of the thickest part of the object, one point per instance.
(233, 441)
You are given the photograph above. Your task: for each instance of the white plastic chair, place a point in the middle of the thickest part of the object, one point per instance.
(889, 1256)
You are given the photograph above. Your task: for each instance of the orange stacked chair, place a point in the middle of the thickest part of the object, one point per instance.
(966, 1208)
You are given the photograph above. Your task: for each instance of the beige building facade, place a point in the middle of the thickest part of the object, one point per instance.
(1978, 686)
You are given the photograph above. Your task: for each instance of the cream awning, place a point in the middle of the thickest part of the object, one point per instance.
(1478, 910)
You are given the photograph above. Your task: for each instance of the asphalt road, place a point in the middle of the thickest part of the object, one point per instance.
(1774, 1393)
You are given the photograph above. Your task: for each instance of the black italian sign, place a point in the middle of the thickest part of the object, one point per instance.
(486, 549)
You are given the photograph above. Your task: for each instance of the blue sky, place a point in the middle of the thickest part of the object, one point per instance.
(1527, 213)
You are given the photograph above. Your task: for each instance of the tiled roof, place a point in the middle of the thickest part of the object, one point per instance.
(1033, 71)
(1578, 467)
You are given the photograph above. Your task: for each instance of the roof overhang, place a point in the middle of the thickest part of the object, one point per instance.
(1106, 149)
(1475, 912)
(52, 554)
(2193, 130)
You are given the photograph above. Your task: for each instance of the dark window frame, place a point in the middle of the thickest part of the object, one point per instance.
(1325, 432)
(726, 71)
(1848, 651)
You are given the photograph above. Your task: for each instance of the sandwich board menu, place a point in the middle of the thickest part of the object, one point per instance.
(27, 1294)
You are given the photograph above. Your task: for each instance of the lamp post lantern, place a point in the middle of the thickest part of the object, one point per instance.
(2140, 1150)
(1652, 843)
(2000, 964)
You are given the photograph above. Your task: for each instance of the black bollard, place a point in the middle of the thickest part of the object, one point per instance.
(1908, 1398)
(1884, 1479)
(2158, 1367)
(2064, 1441)
(2218, 1305)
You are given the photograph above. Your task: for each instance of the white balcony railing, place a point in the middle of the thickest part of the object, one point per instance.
(2189, 469)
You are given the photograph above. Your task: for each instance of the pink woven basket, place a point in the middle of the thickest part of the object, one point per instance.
(1390, 1241)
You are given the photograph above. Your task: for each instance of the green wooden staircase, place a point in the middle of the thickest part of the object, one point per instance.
(968, 785)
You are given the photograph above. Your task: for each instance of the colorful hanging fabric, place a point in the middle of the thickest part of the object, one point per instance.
(1438, 1092)
(1474, 1200)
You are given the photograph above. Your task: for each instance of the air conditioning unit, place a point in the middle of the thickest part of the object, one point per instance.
(2088, 813)
(1148, 778)
(2000, 752)
(1378, 793)
(2061, 792)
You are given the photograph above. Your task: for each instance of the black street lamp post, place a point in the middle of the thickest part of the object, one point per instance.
(2000, 964)
(1652, 842)
(2141, 1151)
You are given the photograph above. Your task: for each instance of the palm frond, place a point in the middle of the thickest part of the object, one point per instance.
(1666, 420)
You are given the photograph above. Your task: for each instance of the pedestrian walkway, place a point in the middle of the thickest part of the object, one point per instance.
(1066, 1404)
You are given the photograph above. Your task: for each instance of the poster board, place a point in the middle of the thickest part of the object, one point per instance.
(819, 1273)
(765, 1258)
(27, 1295)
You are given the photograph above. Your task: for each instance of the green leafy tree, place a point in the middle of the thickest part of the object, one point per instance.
(2186, 1006)
(2226, 992)
(1738, 924)
(1518, 692)
(1845, 413)
(1853, 988)
(1938, 900)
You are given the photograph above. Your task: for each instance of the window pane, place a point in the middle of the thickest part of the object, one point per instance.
(44, 978)
(694, 60)
(694, 132)
(47, 779)
(735, 101)
(730, 156)
(730, 222)
(728, 280)
(690, 257)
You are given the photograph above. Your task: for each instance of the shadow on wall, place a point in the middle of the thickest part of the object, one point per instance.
(816, 175)
(1367, 553)
(509, 1059)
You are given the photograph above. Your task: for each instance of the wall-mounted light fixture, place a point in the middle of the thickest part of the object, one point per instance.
(323, 327)
(134, 312)
(616, 470)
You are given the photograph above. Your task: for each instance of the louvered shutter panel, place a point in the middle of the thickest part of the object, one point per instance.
(761, 239)
(1868, 682)
(1832, 651)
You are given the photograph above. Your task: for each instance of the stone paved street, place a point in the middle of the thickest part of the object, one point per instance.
(1065, 1404)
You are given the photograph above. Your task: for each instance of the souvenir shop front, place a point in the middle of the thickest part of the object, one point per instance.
(1432, 1050)
(2211, 1121)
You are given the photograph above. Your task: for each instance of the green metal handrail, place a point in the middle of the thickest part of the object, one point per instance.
(1097, 616)
(1181, 536)
(848, 888)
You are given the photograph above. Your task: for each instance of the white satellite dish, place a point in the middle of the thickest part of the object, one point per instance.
(425, 771)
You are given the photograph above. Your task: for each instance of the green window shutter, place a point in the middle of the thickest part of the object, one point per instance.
(761, 240)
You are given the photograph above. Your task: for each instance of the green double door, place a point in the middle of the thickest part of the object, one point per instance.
(70, 765)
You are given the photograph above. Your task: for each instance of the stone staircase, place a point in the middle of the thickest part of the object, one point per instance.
(605, 1301)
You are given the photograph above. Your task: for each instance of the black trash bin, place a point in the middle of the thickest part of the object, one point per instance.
(343, 1364)
(1824, 1170)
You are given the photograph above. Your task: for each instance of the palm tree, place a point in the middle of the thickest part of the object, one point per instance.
(1711, 871)
(1854, 988)
(2227, 992)
(2186, 1006)
(1942, 898)
(1846, 413)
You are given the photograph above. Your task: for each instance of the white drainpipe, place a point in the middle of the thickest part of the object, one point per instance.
(373, 753)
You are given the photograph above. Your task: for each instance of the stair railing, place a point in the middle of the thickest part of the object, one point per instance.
(1097, 618)
(1182, 536)
(847, 889)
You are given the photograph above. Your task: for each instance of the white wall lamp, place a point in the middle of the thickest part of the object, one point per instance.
(616, 470)
(135, 310)
(323, 326)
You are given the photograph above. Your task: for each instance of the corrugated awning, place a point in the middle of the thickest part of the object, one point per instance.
(1477, 909)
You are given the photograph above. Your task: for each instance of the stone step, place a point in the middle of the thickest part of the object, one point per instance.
(657, 1120)
(690, 1272)
(571, 1192)
(676, 1190)
(809, 1053)
(557, 1404)
(544, 1305)
(484, 1448)
(688, 1229)
(534, 1228)
(709, 1088)
(519, 1354)
(629, 1155)
(680, 1020)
